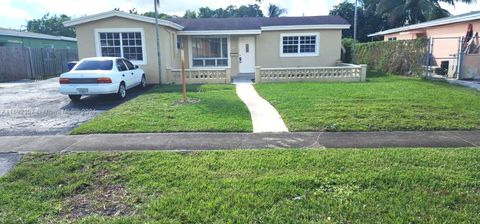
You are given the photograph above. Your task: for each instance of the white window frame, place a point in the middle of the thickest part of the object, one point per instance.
(190, 52)
(121, 30)
(314, 54)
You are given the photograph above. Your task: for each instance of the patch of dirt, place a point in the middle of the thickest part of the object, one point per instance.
(99, 198)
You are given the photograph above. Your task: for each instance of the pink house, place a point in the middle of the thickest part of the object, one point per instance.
(446, 40)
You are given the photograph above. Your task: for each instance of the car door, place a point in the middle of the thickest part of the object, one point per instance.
(133, 72)
(123, 72)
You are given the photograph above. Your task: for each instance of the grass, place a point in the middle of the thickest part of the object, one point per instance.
(383, 103)
(213, 108)
(283, 186)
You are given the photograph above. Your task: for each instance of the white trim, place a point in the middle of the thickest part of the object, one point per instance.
(190, 53)
(120, 30)
(220, 32)
(113, 13)
(306, 27)
(439, 22)
(288, 55)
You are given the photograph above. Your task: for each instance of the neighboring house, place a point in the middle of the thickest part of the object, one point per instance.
(446, 40)
(14, 38)
(214, 49)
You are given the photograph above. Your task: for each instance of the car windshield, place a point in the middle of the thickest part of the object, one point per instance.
(95, 65)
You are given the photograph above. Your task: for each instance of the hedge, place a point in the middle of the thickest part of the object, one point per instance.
(404, 57)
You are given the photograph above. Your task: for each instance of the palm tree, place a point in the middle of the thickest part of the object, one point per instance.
(403, 12)
(275, 10)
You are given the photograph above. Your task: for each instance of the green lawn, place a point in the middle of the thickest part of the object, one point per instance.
(384, 103)
(214, 108)
(282, 186)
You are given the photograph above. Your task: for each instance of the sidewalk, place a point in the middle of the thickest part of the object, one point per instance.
(216, 141)
(265, 118)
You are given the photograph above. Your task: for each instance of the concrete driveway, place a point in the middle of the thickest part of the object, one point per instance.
(37, 108)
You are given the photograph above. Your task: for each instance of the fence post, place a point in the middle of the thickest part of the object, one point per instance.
(363, 74)
(258, 77)
(460, 55)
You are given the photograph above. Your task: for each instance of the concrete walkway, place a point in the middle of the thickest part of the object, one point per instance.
(7, 161)
(470, 84)
(218, 141)
(265, 117)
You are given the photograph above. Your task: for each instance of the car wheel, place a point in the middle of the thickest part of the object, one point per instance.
(122, 91)
(143, 83)
(75, 97)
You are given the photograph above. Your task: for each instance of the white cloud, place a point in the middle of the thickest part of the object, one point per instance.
(7, 11)
(86, 7)
(461, 8)
(15, 13)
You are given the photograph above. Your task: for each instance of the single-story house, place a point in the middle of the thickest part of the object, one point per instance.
(446, 40)
(218, 49)
(15, 38)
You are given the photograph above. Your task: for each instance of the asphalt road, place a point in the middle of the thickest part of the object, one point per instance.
(37, 108)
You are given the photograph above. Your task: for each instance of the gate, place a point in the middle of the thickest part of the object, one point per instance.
(444, 56)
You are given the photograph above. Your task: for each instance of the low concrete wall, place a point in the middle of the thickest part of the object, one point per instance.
(200, 76)
(471, 66)
(340, 73)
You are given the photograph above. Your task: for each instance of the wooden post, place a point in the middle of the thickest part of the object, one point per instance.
(184, 75)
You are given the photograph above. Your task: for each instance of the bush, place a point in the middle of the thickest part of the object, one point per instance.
(347, 44)
(404, 57)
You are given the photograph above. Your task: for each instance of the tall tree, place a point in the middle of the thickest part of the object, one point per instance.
(250, 11)
(190, 14)
(368, 22)
(231, 11)
(206, 12)
(160, 15)
(275, 10)
(404, 12)
(51, 25)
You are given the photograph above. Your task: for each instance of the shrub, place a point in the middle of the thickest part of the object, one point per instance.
(347, 44)
(404, 57)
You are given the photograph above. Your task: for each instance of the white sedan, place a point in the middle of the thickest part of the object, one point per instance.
(101, 75)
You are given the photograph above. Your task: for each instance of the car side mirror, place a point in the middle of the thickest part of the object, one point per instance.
(136, 66)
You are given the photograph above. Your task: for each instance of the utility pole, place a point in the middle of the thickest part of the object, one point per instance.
(156, 4)
(354, 56)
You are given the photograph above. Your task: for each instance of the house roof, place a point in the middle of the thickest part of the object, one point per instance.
(443, 21)
(255, 23)
(244, 25)
(115, 13)
(15, 33)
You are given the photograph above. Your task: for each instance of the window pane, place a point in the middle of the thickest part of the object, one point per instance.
(94, 65)
(222, 62)
(121, 66)
(129, 64)
(197, 63)
(299, 44)
(111, 52)
(289, 49)
(210, 62)
(210, 51)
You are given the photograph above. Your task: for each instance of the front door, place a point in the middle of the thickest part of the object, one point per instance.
(246, 57)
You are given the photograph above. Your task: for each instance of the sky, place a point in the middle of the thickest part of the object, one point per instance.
(15, 13)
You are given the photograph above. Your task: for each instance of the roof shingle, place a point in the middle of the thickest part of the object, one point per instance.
(255, 23)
